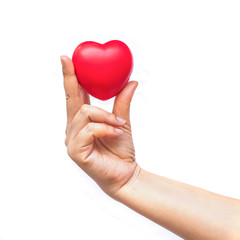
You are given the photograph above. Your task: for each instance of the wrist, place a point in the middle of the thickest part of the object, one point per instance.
(128, 189)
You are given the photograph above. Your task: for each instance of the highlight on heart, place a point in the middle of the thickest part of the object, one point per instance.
(103, 70)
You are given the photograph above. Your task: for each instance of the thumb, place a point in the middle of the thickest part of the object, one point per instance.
(122, 101)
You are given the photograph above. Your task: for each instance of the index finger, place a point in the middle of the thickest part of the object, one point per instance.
(76, 96)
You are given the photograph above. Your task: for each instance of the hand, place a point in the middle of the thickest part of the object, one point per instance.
(98, 141)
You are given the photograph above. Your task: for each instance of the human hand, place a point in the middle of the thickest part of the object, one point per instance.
(98, 141)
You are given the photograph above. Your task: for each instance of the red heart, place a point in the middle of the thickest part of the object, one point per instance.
(103, 69)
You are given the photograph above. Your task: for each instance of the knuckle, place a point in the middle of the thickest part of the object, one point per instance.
(75, 154)
(106, 128)
(70, 151)
(68, 98)
(66, 142)
(90, 127)
(84, 108)
(110, 115)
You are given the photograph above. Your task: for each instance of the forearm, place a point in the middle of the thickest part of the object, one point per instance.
(188, 211)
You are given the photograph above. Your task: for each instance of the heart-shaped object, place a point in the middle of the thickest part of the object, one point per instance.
(103, 69)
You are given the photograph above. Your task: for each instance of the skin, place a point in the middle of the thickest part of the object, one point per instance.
(101, 144)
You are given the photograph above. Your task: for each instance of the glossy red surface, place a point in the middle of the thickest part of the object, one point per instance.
(103, 69)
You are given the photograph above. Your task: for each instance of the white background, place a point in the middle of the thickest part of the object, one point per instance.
(185, 113)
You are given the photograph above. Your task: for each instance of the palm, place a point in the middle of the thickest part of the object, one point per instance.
(112, 158)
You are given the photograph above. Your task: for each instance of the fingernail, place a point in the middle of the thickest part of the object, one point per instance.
(119, 131)
(121, 120)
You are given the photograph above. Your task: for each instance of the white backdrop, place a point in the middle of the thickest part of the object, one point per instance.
(185, 113)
